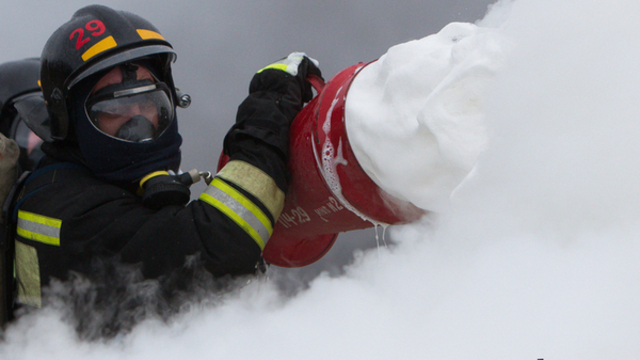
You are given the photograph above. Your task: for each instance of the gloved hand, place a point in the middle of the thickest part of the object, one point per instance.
(277, 93)
(300, 66)
(288, 77)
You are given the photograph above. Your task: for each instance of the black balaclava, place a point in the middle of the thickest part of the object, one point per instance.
(116, 160)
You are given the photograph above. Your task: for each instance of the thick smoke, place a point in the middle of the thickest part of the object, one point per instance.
(537, 258)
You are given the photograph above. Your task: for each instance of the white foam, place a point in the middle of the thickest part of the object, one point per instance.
(330, 160)
(415, 118)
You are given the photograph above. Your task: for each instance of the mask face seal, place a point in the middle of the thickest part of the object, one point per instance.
(132, 111)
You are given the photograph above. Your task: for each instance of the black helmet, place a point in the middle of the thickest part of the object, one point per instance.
(19, 90)
(17, 78)
(96, 39)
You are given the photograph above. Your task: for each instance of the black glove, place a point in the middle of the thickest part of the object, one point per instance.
(288, 77)
(276, 94)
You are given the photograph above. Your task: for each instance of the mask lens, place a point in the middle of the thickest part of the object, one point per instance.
(136, 114)
(33, 111)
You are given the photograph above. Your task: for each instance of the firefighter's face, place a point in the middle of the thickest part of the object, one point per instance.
(111, 120)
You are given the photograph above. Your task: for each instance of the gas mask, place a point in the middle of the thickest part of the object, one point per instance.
(125, 123)
(133, 110)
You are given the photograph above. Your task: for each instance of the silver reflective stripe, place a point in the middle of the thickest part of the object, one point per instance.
(240, 209)
(256, 182)
(39, 228)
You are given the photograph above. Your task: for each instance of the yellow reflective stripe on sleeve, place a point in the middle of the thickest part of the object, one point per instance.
(148, 34)
(28, 275)
(102, 45)
(241, 210)
(257, 183)
(39, 228)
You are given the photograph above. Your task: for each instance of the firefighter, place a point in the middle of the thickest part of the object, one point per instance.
(108, 189)
(19, 151)
(19, 87)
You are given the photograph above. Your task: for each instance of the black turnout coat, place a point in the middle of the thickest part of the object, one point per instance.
(83, 218)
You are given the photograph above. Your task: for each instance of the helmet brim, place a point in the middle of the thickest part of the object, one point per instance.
(121, 58)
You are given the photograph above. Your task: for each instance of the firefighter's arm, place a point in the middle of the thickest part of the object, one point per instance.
(250, 188)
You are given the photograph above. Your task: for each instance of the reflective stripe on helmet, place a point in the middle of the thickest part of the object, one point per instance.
(103, 45)
(240, 209)
(148, 34)
(257, 183)
(39, 228)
